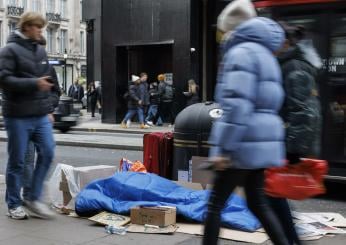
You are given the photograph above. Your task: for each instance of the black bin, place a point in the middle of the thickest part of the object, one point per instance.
(191, 134)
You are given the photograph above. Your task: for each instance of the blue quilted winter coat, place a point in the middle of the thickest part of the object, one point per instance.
(250, 92)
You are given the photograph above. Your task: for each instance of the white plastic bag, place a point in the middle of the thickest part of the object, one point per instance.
(56, 196)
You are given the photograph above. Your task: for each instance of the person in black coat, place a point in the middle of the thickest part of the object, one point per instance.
(144, 91)
(301, 111)
(26, 82)
(155, 101)
(76, 91)
(29, 162)
(134, 104)
(92, 98)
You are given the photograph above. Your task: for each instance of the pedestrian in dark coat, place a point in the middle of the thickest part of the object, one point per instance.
(144, 90)
(92, 97)
(25, 78)
(29, 162)
(167, 94)
(155, 101)
(301, 111)
(135, 104)
(76, 91)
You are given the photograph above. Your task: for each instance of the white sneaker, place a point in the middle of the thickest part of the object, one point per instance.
(39, 209)
(150, 123)
(128, 123)
(17, 213)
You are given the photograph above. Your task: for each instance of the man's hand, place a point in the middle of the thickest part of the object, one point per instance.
(220, 163)
(51, 118)
(140, 102)
(44, 85)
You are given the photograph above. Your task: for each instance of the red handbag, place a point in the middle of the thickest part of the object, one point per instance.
(297, 181)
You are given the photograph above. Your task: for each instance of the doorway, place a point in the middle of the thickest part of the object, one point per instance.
(153, 59)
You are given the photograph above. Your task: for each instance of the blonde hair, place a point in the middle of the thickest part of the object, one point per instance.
(192, 86)
(31, 18)
(161, 77)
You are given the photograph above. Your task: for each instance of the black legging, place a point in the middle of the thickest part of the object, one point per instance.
(282, 208)
(253, 182)
(93, 106)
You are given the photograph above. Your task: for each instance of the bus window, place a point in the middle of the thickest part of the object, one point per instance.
(337, 60)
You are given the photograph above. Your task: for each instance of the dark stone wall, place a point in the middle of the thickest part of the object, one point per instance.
(92, 14)
(135, 22)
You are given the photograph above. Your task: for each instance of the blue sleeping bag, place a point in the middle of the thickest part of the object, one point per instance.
(123, 191)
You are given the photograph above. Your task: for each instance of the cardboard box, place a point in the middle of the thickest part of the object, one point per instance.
(158, 216)
(195, 174)
(83, 176)
(205, 177)
(63, 186)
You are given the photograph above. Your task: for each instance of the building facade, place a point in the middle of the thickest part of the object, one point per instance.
(129, 37)
(65, 33)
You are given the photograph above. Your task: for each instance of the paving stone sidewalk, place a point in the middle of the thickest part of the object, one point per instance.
(66, 230)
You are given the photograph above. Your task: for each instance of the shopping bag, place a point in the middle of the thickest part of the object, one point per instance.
(128, 166)
(297, 181)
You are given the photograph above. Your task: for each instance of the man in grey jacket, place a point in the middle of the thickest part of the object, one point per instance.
(27, 85)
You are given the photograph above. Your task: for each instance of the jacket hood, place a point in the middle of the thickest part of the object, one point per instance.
(303, 51)
(21, 39)
(259, 30)
(309, 53)
(234, 14)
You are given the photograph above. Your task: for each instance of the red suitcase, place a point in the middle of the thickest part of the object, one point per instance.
(157, 154)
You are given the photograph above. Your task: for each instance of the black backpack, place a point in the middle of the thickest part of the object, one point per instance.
(168, 93)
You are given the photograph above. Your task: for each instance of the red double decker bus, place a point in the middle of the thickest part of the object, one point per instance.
(325, 21)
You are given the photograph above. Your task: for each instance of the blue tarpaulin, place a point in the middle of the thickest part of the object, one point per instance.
(118, 194)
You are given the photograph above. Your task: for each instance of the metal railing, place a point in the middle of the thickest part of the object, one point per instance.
(15, 11)
(53, 17)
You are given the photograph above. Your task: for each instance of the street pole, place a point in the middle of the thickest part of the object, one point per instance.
(65, 72)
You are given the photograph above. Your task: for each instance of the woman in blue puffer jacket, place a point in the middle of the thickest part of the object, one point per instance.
(249, 137)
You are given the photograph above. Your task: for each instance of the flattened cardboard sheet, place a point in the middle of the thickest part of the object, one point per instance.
(151, 229)
(331, 219)
(235, 235)
(106, 218)
(190, 185)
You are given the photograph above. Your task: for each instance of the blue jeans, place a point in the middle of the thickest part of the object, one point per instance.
(29, 166)
(153, 109)
(131, 112)
(20, 131)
